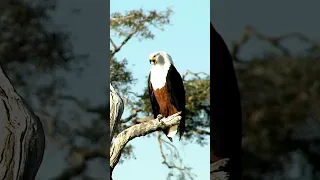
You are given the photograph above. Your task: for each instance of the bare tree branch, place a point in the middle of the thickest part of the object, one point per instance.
(113, 44)
(182, 170)
(133, 32)
(122, 18)
(134, 113)
(129, 36)
(275, 41)
(154, 18)
(199, 131)
(141, 120)
(79, 158)
(188, 72)
(138, 130)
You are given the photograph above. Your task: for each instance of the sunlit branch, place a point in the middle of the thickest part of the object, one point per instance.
(138, 130)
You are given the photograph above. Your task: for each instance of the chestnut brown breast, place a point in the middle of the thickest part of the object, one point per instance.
(163, 99)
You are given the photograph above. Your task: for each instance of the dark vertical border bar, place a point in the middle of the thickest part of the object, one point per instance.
(107, 17)
(226, 117)
(108, 74)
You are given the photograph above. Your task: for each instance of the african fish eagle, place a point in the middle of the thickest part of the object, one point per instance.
(166, 91)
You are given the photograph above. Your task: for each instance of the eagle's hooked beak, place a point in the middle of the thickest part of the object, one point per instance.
(153, 60)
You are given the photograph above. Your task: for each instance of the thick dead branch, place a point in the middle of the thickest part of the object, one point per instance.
(116, 110)
(141, 120)
(22, 140)
(138, 130)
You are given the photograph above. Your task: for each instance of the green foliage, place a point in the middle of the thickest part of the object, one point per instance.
(120, 75)
(138, 22)
(27, 45)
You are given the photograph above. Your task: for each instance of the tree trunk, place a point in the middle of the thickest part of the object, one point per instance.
(219, 171)
(22, 139)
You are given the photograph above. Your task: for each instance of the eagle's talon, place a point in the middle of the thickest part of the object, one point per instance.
(159, 117)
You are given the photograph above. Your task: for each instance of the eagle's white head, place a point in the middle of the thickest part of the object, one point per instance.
(161, 62)
(160, 58)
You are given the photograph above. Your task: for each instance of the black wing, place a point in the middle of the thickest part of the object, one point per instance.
(177, 94)
(153, 100)
(226, 116)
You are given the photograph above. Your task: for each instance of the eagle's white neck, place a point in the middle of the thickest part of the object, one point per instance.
(158, 75)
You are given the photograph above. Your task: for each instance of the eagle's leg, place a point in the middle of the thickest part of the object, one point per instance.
(159, 117)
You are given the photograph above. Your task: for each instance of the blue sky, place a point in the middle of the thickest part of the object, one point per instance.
(187, 40)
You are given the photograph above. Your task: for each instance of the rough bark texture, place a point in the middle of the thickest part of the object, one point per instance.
(22, 140)
(141, 129)
(116, 110)
(218, 170)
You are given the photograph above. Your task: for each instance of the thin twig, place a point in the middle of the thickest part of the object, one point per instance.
(134, 113)
(199, 131)
(275, 41)
(193, 73)
(182, 170)
(113, 44)
(133, 32)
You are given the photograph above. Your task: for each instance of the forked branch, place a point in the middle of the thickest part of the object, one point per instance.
(136, 23)
(275, 41)
(138, 130)
(183, 170)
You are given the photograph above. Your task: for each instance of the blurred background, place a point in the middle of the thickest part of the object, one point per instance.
(276, 48)
(55, 53)
(137, 29)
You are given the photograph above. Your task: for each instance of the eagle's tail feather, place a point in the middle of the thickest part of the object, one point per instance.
(171, 132)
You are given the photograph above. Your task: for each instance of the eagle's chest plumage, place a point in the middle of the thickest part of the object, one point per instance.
(158, 76)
